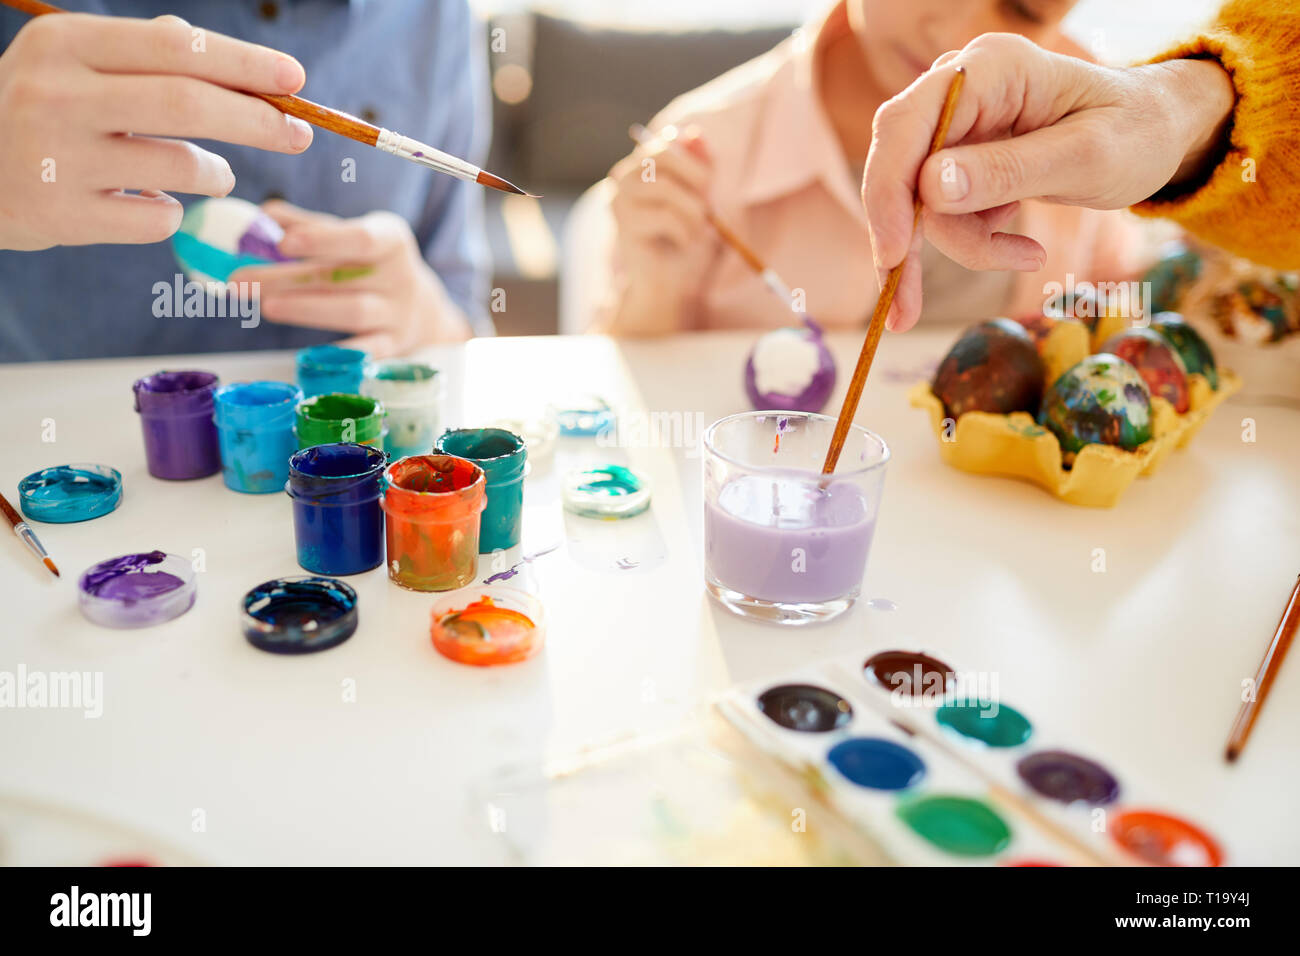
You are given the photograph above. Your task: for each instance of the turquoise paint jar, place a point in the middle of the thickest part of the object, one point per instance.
(323, 369)
(503, 458)
(255, 432)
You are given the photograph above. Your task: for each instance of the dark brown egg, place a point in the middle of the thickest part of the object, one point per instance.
(994, 367)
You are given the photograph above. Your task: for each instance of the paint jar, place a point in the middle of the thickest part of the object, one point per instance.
(137, 590)
(67, 493)
(180, 437)
(337, 521)
(255, 432)
(782, 542)
(323, 369)
(412, 397)
(340, 418)
(503, 458)
(433, 504)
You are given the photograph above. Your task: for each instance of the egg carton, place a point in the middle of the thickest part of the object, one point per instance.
(1016, 446)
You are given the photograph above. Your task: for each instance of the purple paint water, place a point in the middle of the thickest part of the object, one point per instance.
(788, 540)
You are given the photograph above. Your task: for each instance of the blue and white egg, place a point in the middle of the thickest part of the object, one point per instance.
(218, 236)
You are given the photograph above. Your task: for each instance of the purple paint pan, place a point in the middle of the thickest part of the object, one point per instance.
(137, 590)
(180, 437)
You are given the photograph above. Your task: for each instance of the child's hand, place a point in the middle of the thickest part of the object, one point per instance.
(84, 101)
(661, 198)
(1028, 125)
(364, 276)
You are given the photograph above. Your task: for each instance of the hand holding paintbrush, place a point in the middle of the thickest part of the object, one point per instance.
(103, 105)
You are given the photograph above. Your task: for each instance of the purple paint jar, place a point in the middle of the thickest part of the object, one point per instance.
(180, 438)
(137, 590)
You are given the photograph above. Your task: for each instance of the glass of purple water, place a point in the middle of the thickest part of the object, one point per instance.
(784, 543)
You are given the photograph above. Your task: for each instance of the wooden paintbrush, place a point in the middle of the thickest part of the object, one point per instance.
(25, 532)
(1268, 668)
(643, 137)
(347, 125)
(877, 326)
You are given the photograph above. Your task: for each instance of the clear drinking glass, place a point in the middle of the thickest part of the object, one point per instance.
(782, 542)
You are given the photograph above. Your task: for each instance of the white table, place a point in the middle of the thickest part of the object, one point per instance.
(1140, 665)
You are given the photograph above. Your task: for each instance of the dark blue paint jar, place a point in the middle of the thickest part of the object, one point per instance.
(255, 434)
(503, 458)
(337, 519)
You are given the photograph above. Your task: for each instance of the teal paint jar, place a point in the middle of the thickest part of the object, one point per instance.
(255, 433)
(323, 369)
(503, 458)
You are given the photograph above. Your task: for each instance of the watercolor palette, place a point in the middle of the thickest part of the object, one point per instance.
(930, 765)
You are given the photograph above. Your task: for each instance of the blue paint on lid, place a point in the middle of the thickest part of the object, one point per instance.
(67, 493)
(877, 763)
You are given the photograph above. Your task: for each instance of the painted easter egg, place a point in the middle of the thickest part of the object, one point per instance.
(1187, 342)
(1156, 361)
(1081, 303)
(1102, 400)
(218, 236)
(994, 367)
(790, 369)
(1256, 311)
(1173, 273)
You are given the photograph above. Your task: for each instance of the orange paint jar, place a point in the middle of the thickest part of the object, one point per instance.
(433, 504)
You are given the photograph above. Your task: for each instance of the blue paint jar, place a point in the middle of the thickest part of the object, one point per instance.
(337, 518)
(503, 458)
(255, 432)
(323, 369)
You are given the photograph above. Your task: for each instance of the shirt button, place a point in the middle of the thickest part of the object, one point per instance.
(273, 194)
(268, 10)
(370, 115)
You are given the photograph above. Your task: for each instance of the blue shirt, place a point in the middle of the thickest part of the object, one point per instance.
(413, 66)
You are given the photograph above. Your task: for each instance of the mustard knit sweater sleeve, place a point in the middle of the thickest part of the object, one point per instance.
(1249, 204)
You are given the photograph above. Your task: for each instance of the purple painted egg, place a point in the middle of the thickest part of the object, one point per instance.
(1156, 361)
(790, 369)
(994, 367)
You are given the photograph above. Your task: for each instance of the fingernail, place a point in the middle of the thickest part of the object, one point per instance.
(300, 134)
(954, 184)
(289, 74)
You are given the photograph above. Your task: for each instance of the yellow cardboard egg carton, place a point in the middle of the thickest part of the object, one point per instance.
(1016, 446)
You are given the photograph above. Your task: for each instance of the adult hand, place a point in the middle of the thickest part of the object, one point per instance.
(1029, 124)
(91, 107)
(364, 276)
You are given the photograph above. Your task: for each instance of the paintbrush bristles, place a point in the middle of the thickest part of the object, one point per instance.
(49, 563)
(851, 397)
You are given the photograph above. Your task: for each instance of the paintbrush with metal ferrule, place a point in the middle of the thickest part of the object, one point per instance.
(25, 532)
(336, 121)
(643, 137)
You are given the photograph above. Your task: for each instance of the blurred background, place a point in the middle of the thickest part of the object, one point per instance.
(570, 76)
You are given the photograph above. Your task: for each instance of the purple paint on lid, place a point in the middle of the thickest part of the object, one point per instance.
(136, 590)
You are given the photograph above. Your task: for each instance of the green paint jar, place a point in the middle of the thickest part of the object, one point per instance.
(338, 417)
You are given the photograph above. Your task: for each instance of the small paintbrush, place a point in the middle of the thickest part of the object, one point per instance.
(25, 532)
(643, 137)
(877, 326)
(1268, 668)
(336, 121)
